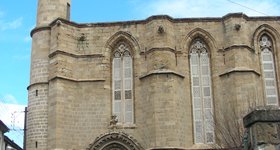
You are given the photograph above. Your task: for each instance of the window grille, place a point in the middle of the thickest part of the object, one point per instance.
(122, 85)
(268, 70)
(201, 93)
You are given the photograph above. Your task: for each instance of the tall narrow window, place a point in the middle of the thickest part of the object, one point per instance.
(68, 11)
(201, 93)
(123, 84)
(269, 76)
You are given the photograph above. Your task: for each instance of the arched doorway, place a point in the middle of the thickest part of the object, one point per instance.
(115, 141)
(115, 146)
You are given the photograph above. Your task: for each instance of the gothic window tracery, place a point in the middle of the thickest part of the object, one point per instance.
(122, 84)
(201, 93)
(268, 69)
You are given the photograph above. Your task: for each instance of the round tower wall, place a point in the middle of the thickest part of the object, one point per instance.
(49, 10)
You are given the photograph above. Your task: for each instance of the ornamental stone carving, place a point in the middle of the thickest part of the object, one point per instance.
(265, 42)
(198, 46)
(115, 141)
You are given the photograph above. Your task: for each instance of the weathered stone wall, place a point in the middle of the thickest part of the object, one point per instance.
(263, 129)
(49, 10)
(37, 120)
(38, 90)
(76, 67)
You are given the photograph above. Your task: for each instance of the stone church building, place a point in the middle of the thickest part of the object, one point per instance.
(158, 83)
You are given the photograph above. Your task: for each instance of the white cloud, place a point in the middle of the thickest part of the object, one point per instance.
(8, 25)
(12, 115)
(206, 8)
(11, 112)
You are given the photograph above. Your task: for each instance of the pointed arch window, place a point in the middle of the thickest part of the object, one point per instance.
(268, 70)
(201, 93)
(123, 84)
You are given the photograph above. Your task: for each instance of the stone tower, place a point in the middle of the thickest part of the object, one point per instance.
(37, 122)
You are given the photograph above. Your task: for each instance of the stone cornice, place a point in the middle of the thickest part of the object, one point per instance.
(124, 139)
(265, 114)
(239, 69)
(57, 52)
(236, 46)
(161, 72)
(165, 17)
(37, 29)
(77, 80)
(158, 49)
(38, 83)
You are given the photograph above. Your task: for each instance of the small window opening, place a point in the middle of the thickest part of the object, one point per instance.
(36, 144)
(68, 12)
(36, 92)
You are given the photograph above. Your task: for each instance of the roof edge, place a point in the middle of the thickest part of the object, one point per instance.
(166, 17)
(3, 127)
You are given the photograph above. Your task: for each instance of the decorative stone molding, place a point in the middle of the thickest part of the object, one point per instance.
(239, 46)
(162, 71)
(237, 27)
(38, 83)
(125, 37)
(37, 29)
(265, 42)
(77, 80)
(265, 29)
(166, 17)
(58, 22)
(160, 30)
(199, 33)
(198, 47)
(116, 141)
(62, 52)
(148, 51)
(239, 69)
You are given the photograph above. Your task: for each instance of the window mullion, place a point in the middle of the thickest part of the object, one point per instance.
(196, 96)
(122, 89)
(201, 98)
(116, 87)
(128, 97)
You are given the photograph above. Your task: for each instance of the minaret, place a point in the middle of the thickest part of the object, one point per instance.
(37, 116)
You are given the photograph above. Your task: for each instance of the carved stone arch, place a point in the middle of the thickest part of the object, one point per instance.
(116, 141)
(123, 37)
(204, 35)
(272, 33)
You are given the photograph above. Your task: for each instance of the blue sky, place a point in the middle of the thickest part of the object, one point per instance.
(17, 19)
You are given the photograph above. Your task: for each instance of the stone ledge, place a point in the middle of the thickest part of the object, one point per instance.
(159, 49)
(57, 52)
(239, 46)
(264, 114)
(77, 80)
(37, 29)
(36, 84)
(165, 17)
(123, 126)
(239, 69)
(161, 72)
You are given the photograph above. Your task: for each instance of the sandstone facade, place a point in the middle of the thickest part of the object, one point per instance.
(71, 93)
